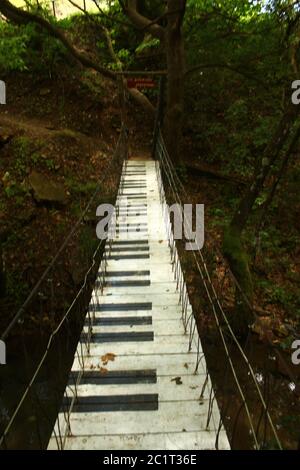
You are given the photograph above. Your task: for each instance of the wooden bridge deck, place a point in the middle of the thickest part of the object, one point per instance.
(138, 389)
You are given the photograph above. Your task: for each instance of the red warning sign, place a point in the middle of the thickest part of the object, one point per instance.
(140, 83)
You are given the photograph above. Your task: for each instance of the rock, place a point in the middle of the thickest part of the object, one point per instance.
(45, 190)
(68, 134)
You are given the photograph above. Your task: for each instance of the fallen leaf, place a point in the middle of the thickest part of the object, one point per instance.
(177, 380)
(108, 357)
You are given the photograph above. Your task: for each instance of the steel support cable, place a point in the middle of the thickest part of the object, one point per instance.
(86, 343)
(174, 256)
(164, 149)
(232, 333)
(170, 176)
(246, 360)
(22, 309)
(170, 164)
(220, 331)
(67, 313)
(245, 298)
(53, 334)
(228, 355)
(175, 259)
(172, 170)
(234, 337)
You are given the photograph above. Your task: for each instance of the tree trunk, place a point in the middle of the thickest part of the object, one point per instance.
(176, 71)
(172, 39)
(237, 258)
(233, 248)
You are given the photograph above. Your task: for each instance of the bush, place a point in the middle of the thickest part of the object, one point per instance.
(28, 46)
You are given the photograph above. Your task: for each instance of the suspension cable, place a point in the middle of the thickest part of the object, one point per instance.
(174, 183)
(122, 142)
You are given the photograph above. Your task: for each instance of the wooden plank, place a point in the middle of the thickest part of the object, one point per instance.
(118, 321)
(161, 344)
(169, 364)
(169, 388)
(118, 377)
(173, 416)
(160, 326)
(112, 403)
(119, 336)
(201, 440)
(144, 289)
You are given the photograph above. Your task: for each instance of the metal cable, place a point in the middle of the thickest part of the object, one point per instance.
(34, 291)
(172, 177)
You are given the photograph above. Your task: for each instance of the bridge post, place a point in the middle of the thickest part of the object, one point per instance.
(159, 112)
(2, 92)
(2, 353)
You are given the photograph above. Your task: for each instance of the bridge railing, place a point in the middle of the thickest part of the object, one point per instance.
(243, 390)
(41, 337)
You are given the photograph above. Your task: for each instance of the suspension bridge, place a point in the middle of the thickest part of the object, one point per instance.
(139, 378)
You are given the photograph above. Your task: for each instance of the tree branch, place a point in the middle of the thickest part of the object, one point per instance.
(142, 99)
(111, 18)
(228, 67)
(20, 16)
(130, 9)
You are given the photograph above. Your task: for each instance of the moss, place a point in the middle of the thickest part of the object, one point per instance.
(238, 261)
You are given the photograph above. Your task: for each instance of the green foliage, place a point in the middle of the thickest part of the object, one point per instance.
(26, 155)
(77, 187)
(50, 164)
(93, 82)
(13, 45)
(24, 47)
(277, 294)
(235, 98)
(22, 147)
(147, 44)
(12, 190)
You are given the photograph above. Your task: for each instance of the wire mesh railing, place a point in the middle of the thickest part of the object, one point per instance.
(244, 394)
(41, 338)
